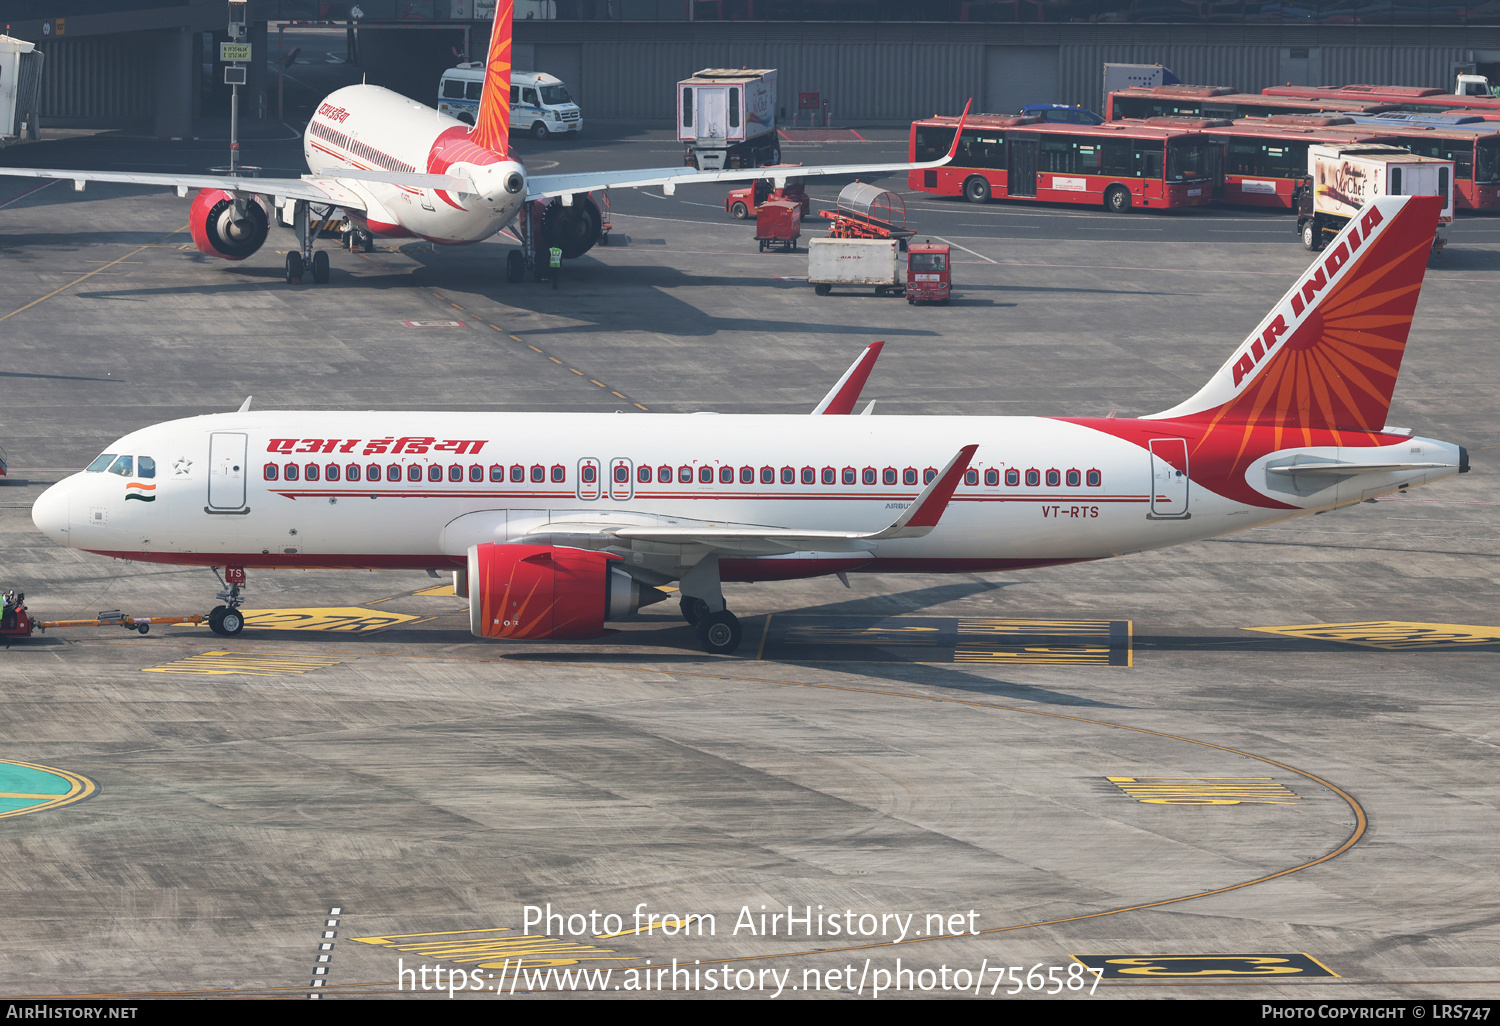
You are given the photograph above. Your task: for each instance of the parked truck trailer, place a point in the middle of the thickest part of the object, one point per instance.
(727, 118)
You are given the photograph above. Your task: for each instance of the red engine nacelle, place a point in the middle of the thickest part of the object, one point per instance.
(539, 591)
(217, 233)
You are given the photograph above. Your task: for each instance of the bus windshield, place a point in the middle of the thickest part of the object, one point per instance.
(1187, 158)
(1487, 160)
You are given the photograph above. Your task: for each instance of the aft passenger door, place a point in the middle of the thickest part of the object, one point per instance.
(1169, 479)
(226, 472)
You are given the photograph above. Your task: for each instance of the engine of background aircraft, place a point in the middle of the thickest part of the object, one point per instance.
(538, 591)
(575, 229)
(215, 230)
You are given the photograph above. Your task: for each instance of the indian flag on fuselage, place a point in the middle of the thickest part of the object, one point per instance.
(144, 492)
(492, 125)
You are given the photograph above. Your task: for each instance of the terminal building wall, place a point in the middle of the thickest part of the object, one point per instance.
(897, 72)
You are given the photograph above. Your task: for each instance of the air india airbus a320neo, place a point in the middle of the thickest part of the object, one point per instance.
(554, 523)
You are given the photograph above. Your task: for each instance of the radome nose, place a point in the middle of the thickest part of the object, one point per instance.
(50, 512)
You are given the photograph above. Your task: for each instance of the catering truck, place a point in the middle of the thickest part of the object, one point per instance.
(1343, 178)
(727, 118)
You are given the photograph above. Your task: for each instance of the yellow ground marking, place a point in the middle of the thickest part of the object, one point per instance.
(79, 788)
(575, 370)
(817, 634)
(765, 633)
(1283, 964)
(1206, 790)
(1393, 635)
(1031, 655)
(593, 382)
(347, 619)
(439, 591)
(555, 360)
(528, 950)
(640, 407)
(254, 664)
(617, 394)
(95, 271)
(534, 349)
(985, 640)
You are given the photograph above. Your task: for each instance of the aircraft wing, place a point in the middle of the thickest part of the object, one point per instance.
(313, 188)
(916, 521)
(547, 186)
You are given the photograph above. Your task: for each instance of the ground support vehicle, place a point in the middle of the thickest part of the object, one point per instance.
(539, 102)
(1343, 179)
(867, 212)
(778, 223)
(1117, 165)
(741, 203)
(20, 87)
(727, 118)
(17, 622)
(928, 272)
(855, 262)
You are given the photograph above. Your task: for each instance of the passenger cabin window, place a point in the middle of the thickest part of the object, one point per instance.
(1074, 478)
(684, 475)
(1053, 479)
(868, 475)
(124, 466)
(145, 467)
(1094, 479)
(851, 476)
(929, 475)
(788, 475)
(414, 473)
(497, 472)
(456, 473)
(767, 475)
(747, 475)
(705, 475)
(809, 475)
(560, 473)
(351, 472)
(663, 475)
(888, 475)
(622, 474)
(909, 476)
(311, 472)
(726, 475)
(517, 473)
(435, 473)
(101, 463)
(1012, 477)
(538, 473)
(290, 471)
(992, 477)
(971, 477)
(589, 473)
(372, 472)
(271, 472)
(1033, 477)
(332, 472)
(476, 473)
(643, 474)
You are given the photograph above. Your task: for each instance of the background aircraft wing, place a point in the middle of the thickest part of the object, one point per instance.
(545, 186)
(313, 188)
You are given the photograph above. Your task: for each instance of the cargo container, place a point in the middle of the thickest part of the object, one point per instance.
(852, 262)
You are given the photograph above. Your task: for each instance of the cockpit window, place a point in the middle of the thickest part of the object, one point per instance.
(146, 467)
(99, 465)
(124, 466)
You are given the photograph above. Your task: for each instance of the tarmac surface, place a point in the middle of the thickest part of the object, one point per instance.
(1101, 761)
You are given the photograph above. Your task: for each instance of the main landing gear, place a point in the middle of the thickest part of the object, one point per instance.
(703, 607)
(227, 619)
(303, 260)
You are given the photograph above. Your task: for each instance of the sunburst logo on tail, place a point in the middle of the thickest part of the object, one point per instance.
(492, 127)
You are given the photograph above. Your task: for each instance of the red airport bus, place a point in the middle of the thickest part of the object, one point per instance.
(1475, 152)
(1015, 157)
(1264, 162)
(1222, 102)
(1413, 98)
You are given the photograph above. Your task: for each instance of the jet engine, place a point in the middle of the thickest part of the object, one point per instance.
(218, 232)
(575, 228)
(541, 591)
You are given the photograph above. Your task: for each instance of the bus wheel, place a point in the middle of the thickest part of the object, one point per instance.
(1311, 236)
(1117, 199)
(977, 190)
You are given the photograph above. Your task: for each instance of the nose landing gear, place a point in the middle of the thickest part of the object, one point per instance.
(227, 619)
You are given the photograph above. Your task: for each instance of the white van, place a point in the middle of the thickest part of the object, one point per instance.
(539, 103)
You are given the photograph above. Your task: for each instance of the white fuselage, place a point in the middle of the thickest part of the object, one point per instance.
(374, 129)
(427, 489)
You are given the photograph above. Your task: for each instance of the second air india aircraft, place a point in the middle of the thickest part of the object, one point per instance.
(400, 169)
(554, 523)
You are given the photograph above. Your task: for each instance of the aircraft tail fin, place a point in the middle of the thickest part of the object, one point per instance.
(1327, 355)
(492, 127)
